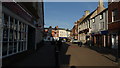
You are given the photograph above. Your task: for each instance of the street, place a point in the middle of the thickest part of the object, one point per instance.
(69, 55)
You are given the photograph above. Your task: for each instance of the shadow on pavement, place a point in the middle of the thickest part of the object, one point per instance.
(63, 58)
(106, 51)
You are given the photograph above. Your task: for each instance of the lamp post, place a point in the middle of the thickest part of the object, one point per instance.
(56, 49)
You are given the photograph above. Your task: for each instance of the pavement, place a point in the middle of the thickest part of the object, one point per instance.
(43, 57)
(70, 55)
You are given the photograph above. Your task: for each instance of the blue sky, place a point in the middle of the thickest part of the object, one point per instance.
(64, 14)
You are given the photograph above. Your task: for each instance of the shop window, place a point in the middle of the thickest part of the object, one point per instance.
(14, 36)
(5, 34)
(10, 47)
(15, 46)
(11, 35)
(4, 48)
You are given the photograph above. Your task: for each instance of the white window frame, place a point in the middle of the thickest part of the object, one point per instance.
(12, 41)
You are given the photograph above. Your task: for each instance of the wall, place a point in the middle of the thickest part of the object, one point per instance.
(40, 28)
(62, 33)
(0, 34)
(96, 26)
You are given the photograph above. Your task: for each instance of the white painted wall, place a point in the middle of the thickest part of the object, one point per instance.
(97, 26)
(62, 33)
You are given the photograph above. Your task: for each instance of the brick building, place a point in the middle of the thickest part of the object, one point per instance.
(114, 24)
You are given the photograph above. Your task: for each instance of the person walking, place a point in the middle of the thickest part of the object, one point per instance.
(79, 43)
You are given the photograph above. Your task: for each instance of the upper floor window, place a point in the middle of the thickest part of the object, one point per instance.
(101, 25)
(101, 16)
(93, 20)
(114, 15)
(113, 0)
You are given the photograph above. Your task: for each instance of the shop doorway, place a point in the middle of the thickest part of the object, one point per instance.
(31, 38)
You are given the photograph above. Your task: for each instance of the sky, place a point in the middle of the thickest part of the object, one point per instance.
(64, 14)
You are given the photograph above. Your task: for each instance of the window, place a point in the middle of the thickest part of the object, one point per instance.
(101, 16)
(101, 25)
(93, 20)
(114, 0)
(14, 36)
(114, 15)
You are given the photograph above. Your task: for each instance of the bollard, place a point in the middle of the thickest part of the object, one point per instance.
(56, 57)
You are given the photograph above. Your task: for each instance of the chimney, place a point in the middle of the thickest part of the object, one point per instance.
(56, 27)
(100, 6)
(87, 12)
(100, 3)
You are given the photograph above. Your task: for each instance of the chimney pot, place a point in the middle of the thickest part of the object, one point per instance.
(87, 12)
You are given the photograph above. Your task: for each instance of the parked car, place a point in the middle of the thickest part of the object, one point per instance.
(75, 41)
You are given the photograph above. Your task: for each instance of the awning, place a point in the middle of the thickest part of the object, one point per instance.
(95, 34)
(84, 31)
(63, 37)
(104, 32)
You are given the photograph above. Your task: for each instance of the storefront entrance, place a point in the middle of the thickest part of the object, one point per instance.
(31, 38)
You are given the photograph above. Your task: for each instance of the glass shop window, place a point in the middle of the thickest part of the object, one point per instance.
(5, 30)
(11, 35)
(6, 21)
(15, 47)
(19, 26)
(15, 24)
(19, 46)
(5, 34)
(11, 23)
(5, 48)
(10, 47)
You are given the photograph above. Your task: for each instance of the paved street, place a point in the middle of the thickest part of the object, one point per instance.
(70, 55)
(82, 56)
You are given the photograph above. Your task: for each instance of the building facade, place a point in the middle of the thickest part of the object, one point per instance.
(100, 28)
(57, 33)
(83, 27)
(21, 27)
(74, 30)
(114, 23)
(93, 26)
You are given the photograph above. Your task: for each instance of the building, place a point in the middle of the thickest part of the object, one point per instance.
(75, 31)
(21, 28)
(57, 33)
(93, 24)
(114, 23)
(0, 34)
(83, 27)
(63, 33)
(48, 33)
(100, 28)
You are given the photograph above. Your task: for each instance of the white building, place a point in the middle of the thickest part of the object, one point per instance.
(63, 33)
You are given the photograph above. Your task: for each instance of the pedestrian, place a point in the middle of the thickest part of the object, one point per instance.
(80, 43)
